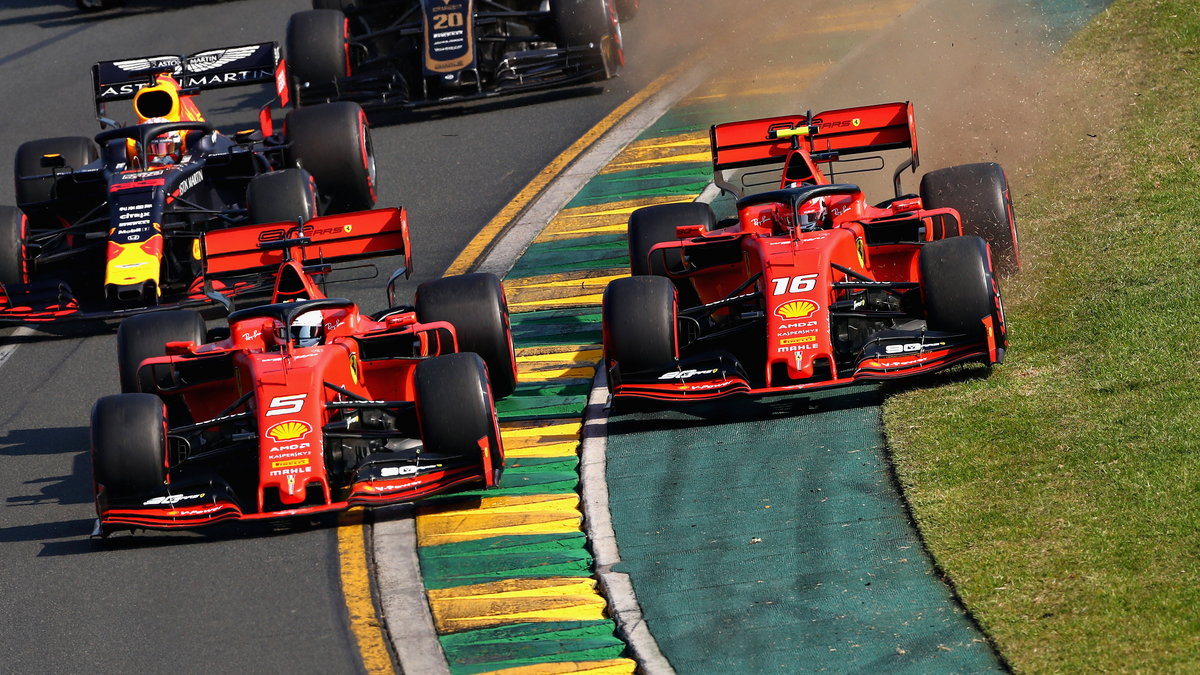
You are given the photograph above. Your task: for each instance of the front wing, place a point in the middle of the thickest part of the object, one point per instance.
(377, 483)
(717, 375)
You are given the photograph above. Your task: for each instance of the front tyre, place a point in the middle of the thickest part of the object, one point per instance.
(317, 49)
(475, 305)
(957, 285)
(639, 320)
(333, 143)
(129, 445)
(288, 195)
(590, 24)
(145, 336)
(13, 261)
(455, 409)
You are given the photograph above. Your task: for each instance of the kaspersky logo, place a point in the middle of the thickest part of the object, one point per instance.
(289, 431)
(796, 309)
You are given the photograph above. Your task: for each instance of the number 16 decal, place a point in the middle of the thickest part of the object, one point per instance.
(800, 284)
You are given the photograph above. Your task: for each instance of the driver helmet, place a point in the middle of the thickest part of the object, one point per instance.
(814, 215)
(163, 149)
(307, 329)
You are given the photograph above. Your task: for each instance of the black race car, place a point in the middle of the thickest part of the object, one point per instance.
(410, 53)
(112, 225)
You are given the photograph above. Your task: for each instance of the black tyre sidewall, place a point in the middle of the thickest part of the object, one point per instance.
(638, 316)
(980, 194)
(12, 246)
(957, 284)
(475, 305)
(286, 195)
(145, 336)
(333, 143)
(316, 48)
(454, 405)
(128, 438)
(652, 225)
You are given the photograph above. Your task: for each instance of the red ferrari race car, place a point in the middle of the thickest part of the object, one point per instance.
(811, 286)
(410, 53)
(111, 225)
(302, 406)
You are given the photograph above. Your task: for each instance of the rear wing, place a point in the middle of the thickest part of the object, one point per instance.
(248, 249)
(210, 69)
(827, 136)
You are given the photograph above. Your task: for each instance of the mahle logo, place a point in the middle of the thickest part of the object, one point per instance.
(796, 309)
(289, 431)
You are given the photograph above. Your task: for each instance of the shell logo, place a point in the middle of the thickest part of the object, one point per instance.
(796, 309)
(289, 431)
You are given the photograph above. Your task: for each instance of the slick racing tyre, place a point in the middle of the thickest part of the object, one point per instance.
(287, 195)
(652, 225)
(957, 284)
(475, 305)
(979, 192)
(317, 50)
(639, 323)
(76, 151)
(455, 409)
(145, 336)
(129, 445)
(333, 143)
(580, 23)
(12, 246)
(340, 5)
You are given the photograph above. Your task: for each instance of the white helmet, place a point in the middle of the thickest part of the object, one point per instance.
(308, 329)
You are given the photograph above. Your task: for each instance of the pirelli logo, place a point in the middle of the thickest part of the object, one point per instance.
(798, 340)
(287, 463)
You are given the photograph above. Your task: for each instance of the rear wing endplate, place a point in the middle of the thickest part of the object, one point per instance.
(210, 69)
(827, 136)
(330, 239)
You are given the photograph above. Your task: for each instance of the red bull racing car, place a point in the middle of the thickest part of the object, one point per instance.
(810, 285)
(304, 405)
(111, 225)
(410, 53)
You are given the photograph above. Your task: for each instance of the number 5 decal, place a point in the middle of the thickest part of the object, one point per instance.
(800, 284)
(286, 405)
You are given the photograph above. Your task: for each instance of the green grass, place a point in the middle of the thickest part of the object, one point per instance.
(1062, 493)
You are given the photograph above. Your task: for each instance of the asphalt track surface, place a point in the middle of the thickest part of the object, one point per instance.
(233, 598)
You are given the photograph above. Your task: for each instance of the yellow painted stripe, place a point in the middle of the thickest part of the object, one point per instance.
(606, 667)
(515, 601)
(532, 352)
(449, 523)
(540, 449)
(549, 374)
(557, 303)
(541, 428)
(365, 624)
(590, 354)
(482, 241)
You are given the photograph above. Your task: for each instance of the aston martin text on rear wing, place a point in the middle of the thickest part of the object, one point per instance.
(210, 69)
(826, 136)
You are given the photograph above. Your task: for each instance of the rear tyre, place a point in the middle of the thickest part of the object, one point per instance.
(76, 151)
(333, 143)
(652, 225)
(12, 246)
(979, 192)
(287, 195)
(145, 336)
(455, 408)
(639, 323)
(316, 48)
(129, 445)
(475, 305)
(580, 23)
(957, 284)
